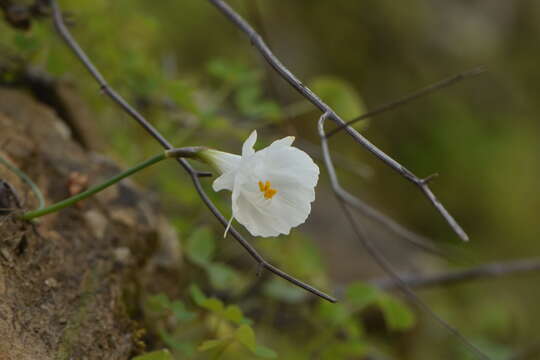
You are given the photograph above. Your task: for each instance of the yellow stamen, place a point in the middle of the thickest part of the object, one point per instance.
(266, 188)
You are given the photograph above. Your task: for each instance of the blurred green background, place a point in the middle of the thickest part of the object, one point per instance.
(196, 77)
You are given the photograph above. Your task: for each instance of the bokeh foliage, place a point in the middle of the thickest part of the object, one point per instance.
(189, 71)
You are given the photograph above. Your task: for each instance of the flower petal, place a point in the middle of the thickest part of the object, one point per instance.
(287, 171)
(256, 219)
(223, 161)
(247, 148)
(285, 142)
(224, 182)
(291, 165)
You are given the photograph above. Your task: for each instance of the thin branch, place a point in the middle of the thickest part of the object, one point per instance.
(359, 169)
(379, 217)
(482, 272)
(288, 76)
(414, 96)
(355, 167)
(374, 252)
(194, 174)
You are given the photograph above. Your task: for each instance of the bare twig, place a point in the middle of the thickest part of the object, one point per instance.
(482, 272)
(416, 95)
(375, 254)
(287, 75)
(359, 169)
(194, 174)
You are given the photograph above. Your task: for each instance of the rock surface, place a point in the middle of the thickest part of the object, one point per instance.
(68, 283)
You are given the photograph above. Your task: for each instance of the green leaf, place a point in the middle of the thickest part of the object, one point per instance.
(221, 276)
(187, 348)
(155, 355)
(361, 295)
(354, 329)
(334, 314)
(201, 246)
(180, 312)
(26, 43)
(212, 344)
(246, 336)
(397, 314)
(341, 96)
(250, 103)
(264, 352)
(234, 314)
(232, 72)
(214, 305)
(197, 295)
(281, 290)
(344, 350)
(158, 303)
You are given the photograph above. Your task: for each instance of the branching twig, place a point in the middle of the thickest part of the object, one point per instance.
(372, 250)
(287, 75)
(404, 100)
(481, 272)
(194, 174)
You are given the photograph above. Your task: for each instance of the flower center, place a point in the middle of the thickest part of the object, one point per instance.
(267, 190)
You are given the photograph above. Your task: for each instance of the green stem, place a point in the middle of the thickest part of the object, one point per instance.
(26, 179)
(72, 200)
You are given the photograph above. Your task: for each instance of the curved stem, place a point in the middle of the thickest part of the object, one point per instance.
(26, 179)
(72, 200)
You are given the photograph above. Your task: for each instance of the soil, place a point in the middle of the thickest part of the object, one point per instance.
(71, 283)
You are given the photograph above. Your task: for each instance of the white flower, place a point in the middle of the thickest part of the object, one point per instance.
(272, 189)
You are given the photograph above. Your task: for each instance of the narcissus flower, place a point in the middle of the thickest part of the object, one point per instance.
(272, 189)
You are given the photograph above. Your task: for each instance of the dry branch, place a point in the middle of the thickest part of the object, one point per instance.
(288, 76)
(194, 174)
(481, 272)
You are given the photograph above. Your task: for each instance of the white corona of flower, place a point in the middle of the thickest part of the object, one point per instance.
(272, 189)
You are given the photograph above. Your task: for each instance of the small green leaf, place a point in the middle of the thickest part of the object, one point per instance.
(334, 314)
(212, 344)
(397, 314)
(233, 73)
(264, 352)
(344, 350)
(155, 355)
(245, 335)
(180, 312)
(158, 303)
(187, 348)
(341, 96)
(354, 329)
(197, 295)
(234, 314)
(221, 275)
(361, 295)
(213, 304)
(201, 246)
(250, 103)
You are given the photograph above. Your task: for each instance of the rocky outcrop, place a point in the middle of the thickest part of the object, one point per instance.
(69, 283)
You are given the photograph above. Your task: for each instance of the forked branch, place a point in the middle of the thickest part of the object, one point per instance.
(288, 76)
(374, 252)
(194, 174)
